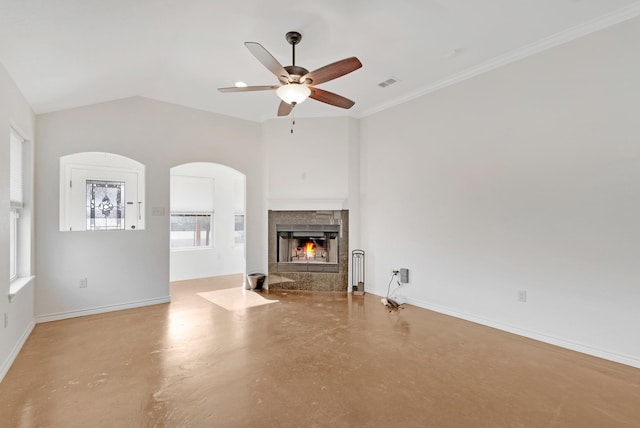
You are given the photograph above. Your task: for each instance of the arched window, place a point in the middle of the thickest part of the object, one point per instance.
(101, 191)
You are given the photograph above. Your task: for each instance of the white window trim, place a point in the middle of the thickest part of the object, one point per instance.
(18, 284)
(23, 227)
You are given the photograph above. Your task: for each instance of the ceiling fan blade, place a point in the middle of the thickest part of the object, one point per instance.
(330, 98)
(249, 88)
(268, 60)
(284, 109)
(333, 71)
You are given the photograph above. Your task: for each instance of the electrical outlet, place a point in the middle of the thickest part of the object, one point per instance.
(6, 320)
(83, 282)
(522, 296)
(395, 272)
(404, 275)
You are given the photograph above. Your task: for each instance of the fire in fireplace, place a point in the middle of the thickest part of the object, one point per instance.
(307, 247)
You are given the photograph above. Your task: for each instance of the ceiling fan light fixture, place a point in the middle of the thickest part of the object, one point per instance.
(295, 83)
(293, 93)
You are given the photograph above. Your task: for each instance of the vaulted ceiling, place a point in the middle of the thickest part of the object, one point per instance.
(68, 53)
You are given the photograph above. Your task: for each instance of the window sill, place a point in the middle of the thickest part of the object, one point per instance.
(191, 249)
(18, 285)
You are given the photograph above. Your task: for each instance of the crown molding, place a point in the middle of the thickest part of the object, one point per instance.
(541, 45)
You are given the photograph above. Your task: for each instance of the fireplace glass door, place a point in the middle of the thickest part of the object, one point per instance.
(308, 248)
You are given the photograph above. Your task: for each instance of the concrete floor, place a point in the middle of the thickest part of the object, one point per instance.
(309, 360)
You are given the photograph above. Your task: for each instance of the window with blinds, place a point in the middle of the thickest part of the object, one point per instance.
(16, 199)
(192, 209)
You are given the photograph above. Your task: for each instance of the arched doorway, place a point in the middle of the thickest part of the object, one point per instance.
(207, 208)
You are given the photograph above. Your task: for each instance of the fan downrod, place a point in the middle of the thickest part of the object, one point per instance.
(293, 37)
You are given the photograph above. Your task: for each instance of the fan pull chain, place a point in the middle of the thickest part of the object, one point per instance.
(293, 118)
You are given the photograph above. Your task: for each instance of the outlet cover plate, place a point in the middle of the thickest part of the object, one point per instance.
(404, 275)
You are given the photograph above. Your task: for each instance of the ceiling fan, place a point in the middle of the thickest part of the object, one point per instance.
(297, 83)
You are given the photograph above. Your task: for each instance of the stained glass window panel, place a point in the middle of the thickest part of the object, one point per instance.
(105, 205)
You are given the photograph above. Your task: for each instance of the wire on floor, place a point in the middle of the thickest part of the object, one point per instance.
(390, 303)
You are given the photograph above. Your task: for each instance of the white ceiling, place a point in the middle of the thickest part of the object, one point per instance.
(69, 53)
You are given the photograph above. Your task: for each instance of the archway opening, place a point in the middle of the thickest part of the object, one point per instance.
(207, 211)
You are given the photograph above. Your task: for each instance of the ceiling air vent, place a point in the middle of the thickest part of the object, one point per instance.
(388, 82)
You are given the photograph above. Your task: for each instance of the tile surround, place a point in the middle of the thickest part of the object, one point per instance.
(309, 281)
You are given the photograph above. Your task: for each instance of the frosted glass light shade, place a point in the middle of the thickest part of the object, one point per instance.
(293, 93)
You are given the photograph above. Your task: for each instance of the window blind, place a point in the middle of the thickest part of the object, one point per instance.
(192, 194)
(15, 170)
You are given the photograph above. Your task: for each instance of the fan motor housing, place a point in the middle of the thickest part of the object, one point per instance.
(296, 72)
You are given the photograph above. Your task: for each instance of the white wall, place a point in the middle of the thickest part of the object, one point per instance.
(525, 178)
(310, 166)
(225, 257)
(14, 111)
(130, 268)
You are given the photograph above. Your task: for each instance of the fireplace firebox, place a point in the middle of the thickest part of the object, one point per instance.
(307, 247)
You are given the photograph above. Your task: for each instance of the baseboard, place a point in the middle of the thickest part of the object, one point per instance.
(6, 364)
(563, 343)
(101, 309)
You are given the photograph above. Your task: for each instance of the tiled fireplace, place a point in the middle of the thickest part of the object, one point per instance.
(308, 250)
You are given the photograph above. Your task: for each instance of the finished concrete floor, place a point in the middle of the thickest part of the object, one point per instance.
(309, 360)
